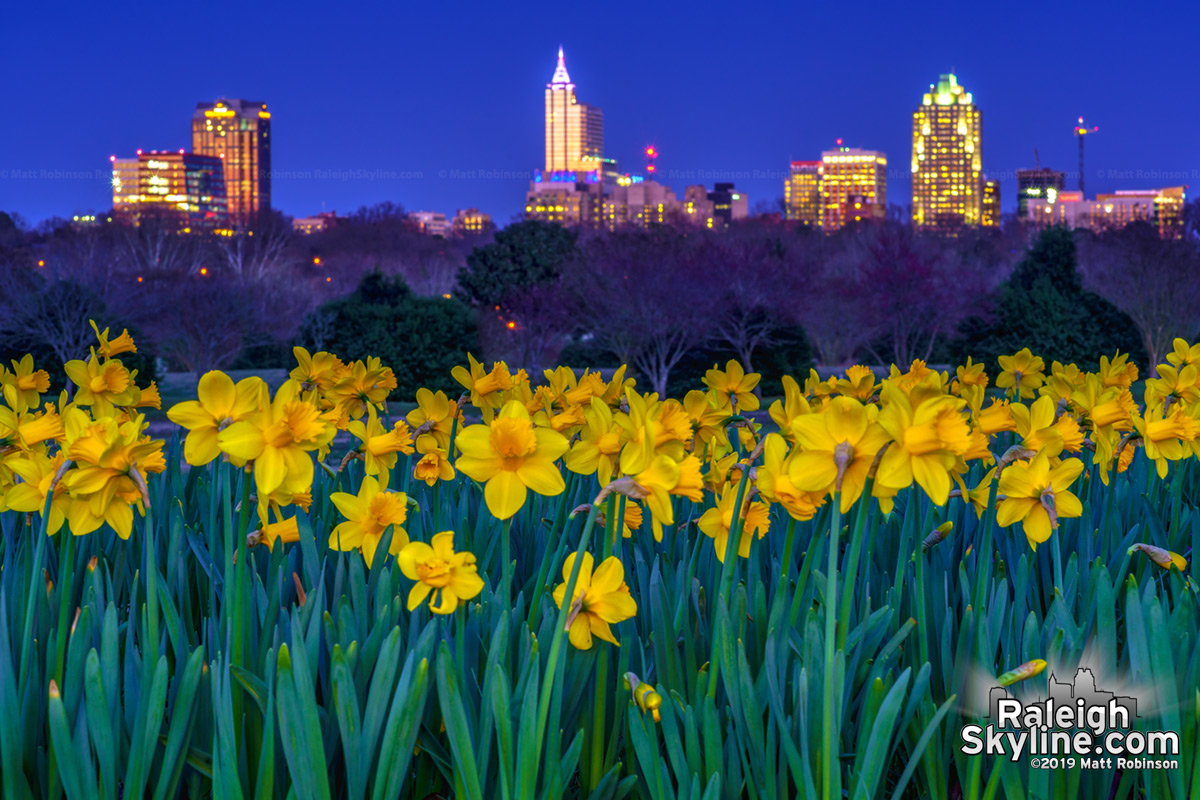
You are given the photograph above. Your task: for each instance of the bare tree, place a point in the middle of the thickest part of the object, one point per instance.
(1151, 279)
(265, 252)
(57, 315)
(750, 273)
(645, 296)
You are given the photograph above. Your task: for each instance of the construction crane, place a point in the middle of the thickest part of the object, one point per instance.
(1081, 131)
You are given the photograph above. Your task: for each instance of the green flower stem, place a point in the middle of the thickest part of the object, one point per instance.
(830, 738)
(560, 627)
(31, 600)
(599, 711)
(560, 520)
(506, 561)
(862, 510)
(728, 567)
(983, 574)
(66, 573)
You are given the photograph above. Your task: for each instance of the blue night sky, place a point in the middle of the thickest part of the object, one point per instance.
(405, 101)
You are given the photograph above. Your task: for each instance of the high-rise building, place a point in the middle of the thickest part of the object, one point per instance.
(802, 193)
(989, 215)
(1036, 183)
(430, 223)
(728, 204)
(186, 187)
(853, 186)
(239, 132)
(470, 221)
(125, 190)
(947, 159)
(574, 130)
(1162, 208)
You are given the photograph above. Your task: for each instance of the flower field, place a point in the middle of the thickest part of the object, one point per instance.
(570, 587)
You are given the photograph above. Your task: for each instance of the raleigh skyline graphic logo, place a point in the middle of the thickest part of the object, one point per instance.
(1074, 724)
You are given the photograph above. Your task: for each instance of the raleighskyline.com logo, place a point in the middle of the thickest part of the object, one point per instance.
(1075, 725)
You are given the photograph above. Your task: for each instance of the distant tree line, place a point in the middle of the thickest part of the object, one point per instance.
(669, 301)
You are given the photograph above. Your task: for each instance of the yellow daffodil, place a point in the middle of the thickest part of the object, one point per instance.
(511, 456)
(282, 530)
(774, 484)
(706, 412)
(1161, 556)
(108, 349)
(219, 404)
(599, 445)
(1176, 385)
(435, 415)
(661, 479)
(1036, 495)
(926, 441)
(23, 387)
(101, 385)
(379, 445)
(24, 430)
(37, 472)
(859, 383)
(1119, 371)
(449, 576)
(1183, 354)
(485, 387)
(735, 384)
(970, 374)
(717, 523)
(793, 405)
(279, 439)
(1021, 374)
(368, 514)
(1035, 426)
(1164, 434)
(600, 599)
(317, 371)
(838, 448)
(364, 384)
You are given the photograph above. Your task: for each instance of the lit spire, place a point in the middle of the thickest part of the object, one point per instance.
(561, 77)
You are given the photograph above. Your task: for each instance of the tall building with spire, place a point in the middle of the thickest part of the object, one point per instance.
(574, 130)
(947, 159)
(239, 133)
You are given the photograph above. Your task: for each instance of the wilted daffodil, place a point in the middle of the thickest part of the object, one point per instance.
(220, 403)
(368, 514)
(1021, 374)
(449, 576)
(838, 447)
(511, 456)
(601, 598)
(716, 523)
(434, 464)
(735, 384)
(1037, 495)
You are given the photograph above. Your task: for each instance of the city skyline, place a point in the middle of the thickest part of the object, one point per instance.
(742, 118)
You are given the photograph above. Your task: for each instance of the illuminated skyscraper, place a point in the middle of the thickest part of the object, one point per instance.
(853, 186)
(574, 130)
(990, 203)
(802, 193)
(178, 186)
(1033, 184)
(238, 131)
(947, 160)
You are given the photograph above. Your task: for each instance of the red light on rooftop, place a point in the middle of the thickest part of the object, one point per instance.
(139, 152)
(839, 142)
(112, 158)
(649, 168)
(651, 152)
